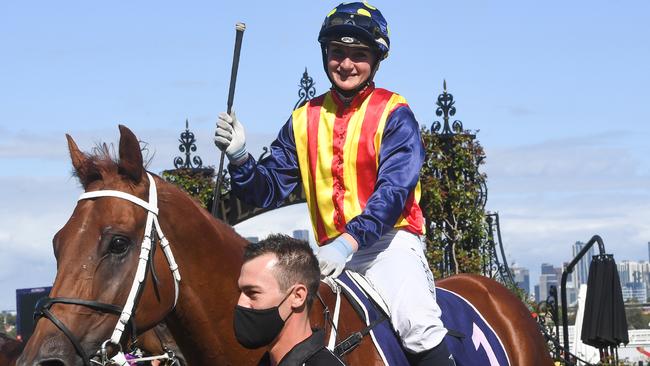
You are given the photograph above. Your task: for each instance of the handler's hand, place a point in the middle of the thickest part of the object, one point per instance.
(229, 138)
(332, 257)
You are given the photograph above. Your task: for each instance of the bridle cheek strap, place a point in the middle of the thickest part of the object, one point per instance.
(151, 224)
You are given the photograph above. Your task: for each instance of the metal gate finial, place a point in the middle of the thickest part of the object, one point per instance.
(187, 146)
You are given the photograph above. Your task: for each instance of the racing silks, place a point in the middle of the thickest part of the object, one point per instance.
(338, 150)
(358, 163)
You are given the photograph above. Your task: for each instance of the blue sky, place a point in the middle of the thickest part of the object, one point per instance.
(558, 90)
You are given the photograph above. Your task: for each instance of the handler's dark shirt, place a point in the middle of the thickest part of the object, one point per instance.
(310, 352)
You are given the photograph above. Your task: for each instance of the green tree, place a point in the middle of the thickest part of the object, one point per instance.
(8, 323)
(451, 195)
(636, 318)
(198, 183)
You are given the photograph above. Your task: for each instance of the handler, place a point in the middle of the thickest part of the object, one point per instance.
(357, 151)
(278, 283)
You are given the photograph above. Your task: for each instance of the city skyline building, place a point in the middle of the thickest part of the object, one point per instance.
(547, 268)
(635, 291)
(633, 271)
(521, 277)
(634, 276)
(581, 270)
(545, 283)
(301, 234)
(551, 276)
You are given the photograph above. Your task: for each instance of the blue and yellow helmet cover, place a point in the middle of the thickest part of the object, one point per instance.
(356, 22)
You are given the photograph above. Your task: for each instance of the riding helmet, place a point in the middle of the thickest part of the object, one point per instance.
(357, 22)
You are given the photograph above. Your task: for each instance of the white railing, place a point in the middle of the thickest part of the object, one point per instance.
(638, 338)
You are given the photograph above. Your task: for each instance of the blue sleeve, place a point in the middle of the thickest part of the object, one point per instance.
(270, 181)
(401, 156)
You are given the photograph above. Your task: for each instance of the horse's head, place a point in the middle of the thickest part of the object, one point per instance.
(97, 254)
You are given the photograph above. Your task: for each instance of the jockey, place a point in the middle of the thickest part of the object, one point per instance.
(357, 152)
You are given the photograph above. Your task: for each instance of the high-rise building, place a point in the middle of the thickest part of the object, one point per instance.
(632, 271)
(581, 270)
(545, 283)
(301, 235)
(548, 269)
(636, 291)
(635, 279)
(549, 277)
(522, 278)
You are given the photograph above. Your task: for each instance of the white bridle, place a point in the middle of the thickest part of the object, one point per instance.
(147, 241)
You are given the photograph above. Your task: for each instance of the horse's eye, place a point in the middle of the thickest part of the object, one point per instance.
(119, 245)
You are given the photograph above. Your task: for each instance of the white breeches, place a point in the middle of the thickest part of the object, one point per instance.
(397, 268)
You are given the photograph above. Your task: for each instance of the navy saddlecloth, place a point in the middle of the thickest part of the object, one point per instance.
(480, 346)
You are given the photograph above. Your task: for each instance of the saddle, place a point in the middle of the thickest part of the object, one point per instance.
(470, 339)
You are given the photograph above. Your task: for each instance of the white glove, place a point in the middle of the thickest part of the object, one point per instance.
(229, 138)
(332, 257)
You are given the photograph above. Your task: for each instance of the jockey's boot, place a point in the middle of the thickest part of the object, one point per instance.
(436, 356)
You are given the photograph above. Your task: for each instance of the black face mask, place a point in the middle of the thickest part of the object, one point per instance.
(257, 328)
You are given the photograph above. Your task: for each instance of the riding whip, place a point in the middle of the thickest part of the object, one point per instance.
(239, 34)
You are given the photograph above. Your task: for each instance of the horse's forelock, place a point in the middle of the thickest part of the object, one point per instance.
(103, 162)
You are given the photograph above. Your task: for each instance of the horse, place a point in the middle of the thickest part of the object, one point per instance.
(97, 258)
(10, 349)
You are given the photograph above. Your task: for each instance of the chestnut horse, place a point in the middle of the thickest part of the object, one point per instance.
(10, 349)
(97, 256)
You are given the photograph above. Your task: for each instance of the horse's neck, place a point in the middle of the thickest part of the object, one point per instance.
(209, 256)
(204, 247)
(209, 253)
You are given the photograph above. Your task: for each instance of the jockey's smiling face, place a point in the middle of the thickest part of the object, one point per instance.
(349, 66)
(258, 286)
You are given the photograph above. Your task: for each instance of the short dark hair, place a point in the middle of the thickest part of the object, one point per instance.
(296, 262)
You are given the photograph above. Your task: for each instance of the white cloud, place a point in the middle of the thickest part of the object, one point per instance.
(567, 165)
(550, 195)
(33, 210)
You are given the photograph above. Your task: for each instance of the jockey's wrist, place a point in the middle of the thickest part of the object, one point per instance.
(341, 246)
(354, 246)
(239, 157)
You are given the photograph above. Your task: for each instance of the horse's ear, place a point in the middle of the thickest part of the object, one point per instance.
(83, 168)
(130, 155)
(78, 158)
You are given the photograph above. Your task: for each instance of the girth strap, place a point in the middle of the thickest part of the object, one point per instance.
(355, 338)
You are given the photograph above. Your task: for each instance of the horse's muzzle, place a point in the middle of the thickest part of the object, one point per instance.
(53, 351)
(51, 361)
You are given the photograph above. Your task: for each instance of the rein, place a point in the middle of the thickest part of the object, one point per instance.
(125, 313)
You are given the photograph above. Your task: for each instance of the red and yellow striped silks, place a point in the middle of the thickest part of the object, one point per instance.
(338, 154)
